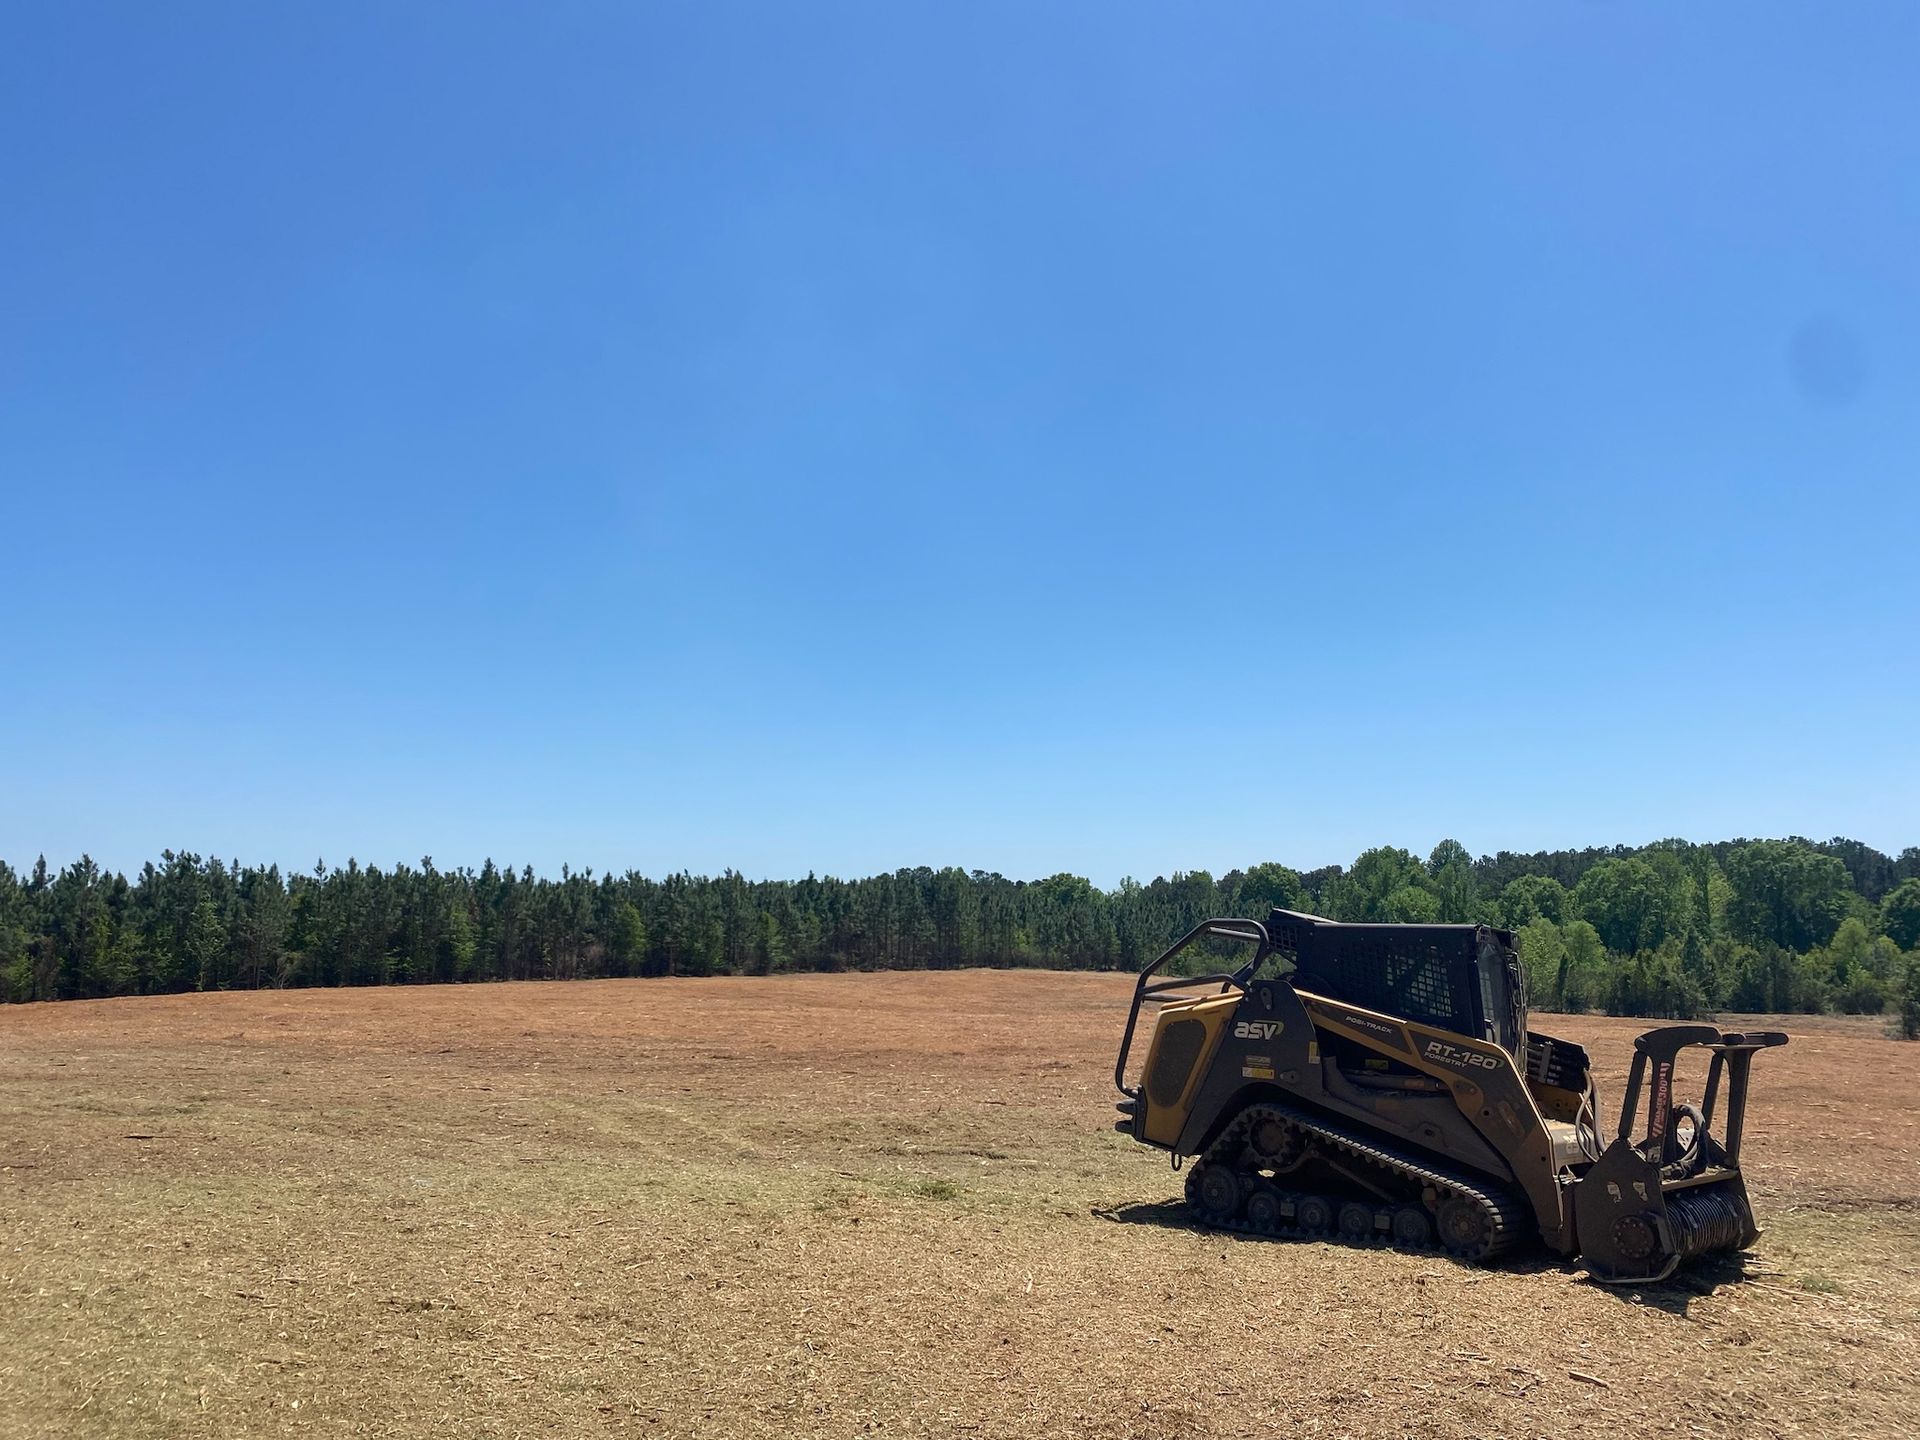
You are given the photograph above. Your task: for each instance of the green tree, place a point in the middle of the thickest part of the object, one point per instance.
(458, 940)
(1450, 878)
(954, 905)
(1910, 998)
(1069, 927)
(206, 942)
(1629, 904)
(628, 938)
(1768, 982)
(1544, 954)
(1900, 914)
(1533, 897)
(1412, 905)
(1368, 891)
(1845, 971)
(1583, 967)
(84, 952)
(260, 928)
(1785, 893)
(1270, 886)
(16, 927)
(1709, 897)
(770, 954)
(1654, 983)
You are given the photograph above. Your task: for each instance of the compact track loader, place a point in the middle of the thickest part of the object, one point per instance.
(1386, 1090)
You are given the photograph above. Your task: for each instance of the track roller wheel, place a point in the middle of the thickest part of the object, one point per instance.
(1264, 1208)
(1356, 1222)
(1314, 1214)
(1465, 1229)
(1412, 1227)
(1216, 1192)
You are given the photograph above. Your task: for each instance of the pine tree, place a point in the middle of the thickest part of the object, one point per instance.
(1910, 999)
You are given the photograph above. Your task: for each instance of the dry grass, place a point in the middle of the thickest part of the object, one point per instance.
(837, 1206)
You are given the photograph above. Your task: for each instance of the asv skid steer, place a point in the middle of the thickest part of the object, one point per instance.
(1387, 1090)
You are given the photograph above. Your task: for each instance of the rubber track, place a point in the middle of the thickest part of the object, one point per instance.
(1508, 1218)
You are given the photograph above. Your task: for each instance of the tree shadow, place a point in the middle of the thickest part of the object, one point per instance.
(1695, 1280)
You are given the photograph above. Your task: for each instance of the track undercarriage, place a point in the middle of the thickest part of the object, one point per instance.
(1277, 1172)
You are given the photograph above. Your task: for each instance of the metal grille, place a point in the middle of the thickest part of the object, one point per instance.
(1559, 1063)
(1175, 1049)
(1426, 973)
(1397, 978)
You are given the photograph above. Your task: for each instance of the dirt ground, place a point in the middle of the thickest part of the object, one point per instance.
(837, 1205)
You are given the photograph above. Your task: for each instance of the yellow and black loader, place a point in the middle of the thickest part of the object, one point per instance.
(1379, 1084)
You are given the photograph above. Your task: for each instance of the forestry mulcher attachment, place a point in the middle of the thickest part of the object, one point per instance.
(1386, 1090)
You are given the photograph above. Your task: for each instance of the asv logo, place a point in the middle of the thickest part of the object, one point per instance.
(1453, 1055)
(1257, 1029)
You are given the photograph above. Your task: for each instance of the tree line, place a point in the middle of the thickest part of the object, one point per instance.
(1667, 929)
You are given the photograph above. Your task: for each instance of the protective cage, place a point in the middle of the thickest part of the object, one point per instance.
(1438, 975)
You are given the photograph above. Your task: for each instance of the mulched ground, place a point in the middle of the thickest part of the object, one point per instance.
(836, 1205)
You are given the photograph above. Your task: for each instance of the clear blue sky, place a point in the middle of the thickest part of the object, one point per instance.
(1105, 437)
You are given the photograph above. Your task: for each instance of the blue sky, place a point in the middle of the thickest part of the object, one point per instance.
(1108, 437)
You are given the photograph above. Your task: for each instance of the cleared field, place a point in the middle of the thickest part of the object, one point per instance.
(839, 1206)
